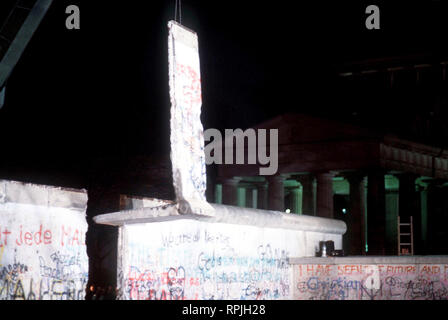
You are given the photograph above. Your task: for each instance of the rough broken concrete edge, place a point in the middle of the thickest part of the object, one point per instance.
(128, 202)
(195, 207)
(42, 195)
(141, 215)
(366, 260)
(226, 214)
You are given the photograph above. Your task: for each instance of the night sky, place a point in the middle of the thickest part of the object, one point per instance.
(103, 90)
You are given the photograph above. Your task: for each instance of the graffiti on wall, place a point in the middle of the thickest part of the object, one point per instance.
(187, 137)
(42, 256)
(206, 263)
(371, 282)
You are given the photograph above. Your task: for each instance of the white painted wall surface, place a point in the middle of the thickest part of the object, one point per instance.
(190, 259)
(381, 281)
(42, 249)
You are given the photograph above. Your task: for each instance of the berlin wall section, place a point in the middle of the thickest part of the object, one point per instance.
(239, 254)
(42, 242)
(371, 278)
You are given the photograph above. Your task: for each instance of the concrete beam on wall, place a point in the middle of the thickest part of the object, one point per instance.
(227, 214)
(367, 260)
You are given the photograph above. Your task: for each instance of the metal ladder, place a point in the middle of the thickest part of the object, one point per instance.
(407, 247)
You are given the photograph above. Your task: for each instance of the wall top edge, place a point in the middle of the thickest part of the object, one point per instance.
(365, 260)
(227, 214)
(42, 195)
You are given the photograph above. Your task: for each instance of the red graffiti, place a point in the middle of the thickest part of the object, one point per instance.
(4, 236)
(350, 269)
(72, 237)
(30, 238)
(431, 269)
(315, 270)
(192, 84)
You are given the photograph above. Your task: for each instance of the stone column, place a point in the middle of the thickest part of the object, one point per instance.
(355, 235)
(229, 191)
(408, 205)
(296, 204)
(436, 223)
(276, 193)
(424, 215)
(431, 200)
(308, 193)
(262, 196)
(376, 213)
(324, 196)
(218, 193)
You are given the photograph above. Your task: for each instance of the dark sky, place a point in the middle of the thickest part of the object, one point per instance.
(103, 90)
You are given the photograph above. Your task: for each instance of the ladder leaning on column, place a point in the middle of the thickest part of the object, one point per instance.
(406, 247)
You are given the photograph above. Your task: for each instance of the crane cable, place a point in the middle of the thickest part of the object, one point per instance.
(178, 11)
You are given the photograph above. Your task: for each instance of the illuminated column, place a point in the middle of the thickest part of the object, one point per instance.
(241, 196)
(296, 204)
(376, 213)
(276, 193)
(424, 214)
(325, 194)
(308, 193)
(229, 191)
(218, 193)
(355, 223)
